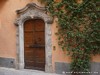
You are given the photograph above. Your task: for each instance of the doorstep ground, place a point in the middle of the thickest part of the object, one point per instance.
(10, 71)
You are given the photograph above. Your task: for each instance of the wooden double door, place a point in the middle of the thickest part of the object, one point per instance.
(34, 44)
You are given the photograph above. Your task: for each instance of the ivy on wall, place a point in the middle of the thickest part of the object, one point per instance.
(78, 30)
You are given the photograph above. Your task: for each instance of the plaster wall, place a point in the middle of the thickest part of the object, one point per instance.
(8, 32)
(7, 27)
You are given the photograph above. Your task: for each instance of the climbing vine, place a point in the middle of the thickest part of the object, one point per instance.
(78, 30)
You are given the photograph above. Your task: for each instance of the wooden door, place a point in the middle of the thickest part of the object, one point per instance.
(34, 44)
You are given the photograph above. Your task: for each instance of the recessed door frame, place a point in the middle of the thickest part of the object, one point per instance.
(32, 11)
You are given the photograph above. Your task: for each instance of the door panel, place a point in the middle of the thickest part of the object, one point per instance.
(34, 44)
(39, 38)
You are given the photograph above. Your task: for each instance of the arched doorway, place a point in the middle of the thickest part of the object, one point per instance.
(33, 12)
(34, 44)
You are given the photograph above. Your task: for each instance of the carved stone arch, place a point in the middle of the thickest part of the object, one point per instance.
(32, 11)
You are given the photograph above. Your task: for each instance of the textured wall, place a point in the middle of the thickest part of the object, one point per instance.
(7, 62)
(64, 68)
(8, 32)
(7, 27)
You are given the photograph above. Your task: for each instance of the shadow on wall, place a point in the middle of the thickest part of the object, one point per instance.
(2, 2)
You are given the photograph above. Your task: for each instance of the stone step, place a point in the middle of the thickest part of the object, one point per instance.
(10, 71)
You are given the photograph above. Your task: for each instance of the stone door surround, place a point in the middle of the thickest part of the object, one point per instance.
(33, 11)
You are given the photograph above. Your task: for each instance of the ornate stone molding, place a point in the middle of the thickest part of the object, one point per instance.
(32, 11)
(31, 5)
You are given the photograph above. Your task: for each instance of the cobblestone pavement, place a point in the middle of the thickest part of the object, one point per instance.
(7, 71)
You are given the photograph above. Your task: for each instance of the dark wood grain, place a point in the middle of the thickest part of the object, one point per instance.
(34, 44)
